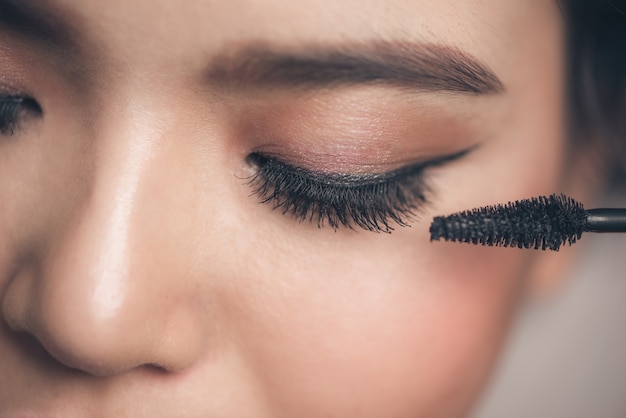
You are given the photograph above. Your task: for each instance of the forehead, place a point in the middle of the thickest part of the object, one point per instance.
(486, 28)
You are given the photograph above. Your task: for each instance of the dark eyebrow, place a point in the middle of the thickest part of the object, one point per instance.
(37, 21)
(428, 67)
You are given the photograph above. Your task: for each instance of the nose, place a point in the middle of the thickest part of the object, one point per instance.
(115, 290)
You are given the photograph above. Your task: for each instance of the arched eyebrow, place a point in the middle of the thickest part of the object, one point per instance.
(424, 66)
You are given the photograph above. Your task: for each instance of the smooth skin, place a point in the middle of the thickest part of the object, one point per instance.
(140, 276)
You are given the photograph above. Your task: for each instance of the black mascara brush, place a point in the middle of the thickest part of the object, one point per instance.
(545, 222)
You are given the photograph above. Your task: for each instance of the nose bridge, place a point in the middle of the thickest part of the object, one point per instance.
(104, 304)
(108, 231)
(100, 250)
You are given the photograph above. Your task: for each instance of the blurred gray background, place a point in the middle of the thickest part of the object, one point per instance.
(567, 355)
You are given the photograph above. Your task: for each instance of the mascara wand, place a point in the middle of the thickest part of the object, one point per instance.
(545, 222)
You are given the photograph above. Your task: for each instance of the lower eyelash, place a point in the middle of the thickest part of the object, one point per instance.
(374, 203)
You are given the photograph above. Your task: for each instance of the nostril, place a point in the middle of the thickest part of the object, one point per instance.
(52, 331)
(53, 306)
(102, 348)
(16, 302)
(29, 346)
(158, 368)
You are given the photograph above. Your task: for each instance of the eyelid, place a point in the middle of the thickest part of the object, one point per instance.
(13, 108)
(10, 109)
(356, 179)
(371, 201)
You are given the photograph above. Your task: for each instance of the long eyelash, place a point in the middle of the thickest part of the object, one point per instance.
(374, 203)
(12, 111)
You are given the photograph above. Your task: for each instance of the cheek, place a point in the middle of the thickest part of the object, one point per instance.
(384, 337)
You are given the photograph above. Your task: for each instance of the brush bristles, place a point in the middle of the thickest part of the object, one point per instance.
(538, 223)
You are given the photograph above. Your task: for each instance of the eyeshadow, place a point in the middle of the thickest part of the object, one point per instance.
(374, 202)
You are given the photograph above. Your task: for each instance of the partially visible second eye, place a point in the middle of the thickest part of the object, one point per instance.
(13, 109)
(374, 202)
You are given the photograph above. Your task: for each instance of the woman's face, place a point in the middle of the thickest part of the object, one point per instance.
(142, 275)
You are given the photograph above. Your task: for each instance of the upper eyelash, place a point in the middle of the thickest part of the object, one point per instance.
(11, 109)
(9, 114)
(372, 202)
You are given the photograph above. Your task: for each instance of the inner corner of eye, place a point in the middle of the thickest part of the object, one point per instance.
(256, 160)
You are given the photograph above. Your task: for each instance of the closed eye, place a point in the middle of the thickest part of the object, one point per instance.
(374, 202)
(13, 109)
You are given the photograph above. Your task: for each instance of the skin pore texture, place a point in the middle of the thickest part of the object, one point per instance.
(140, 275)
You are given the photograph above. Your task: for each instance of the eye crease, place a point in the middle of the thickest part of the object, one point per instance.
(373, 202)
(13, 110)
